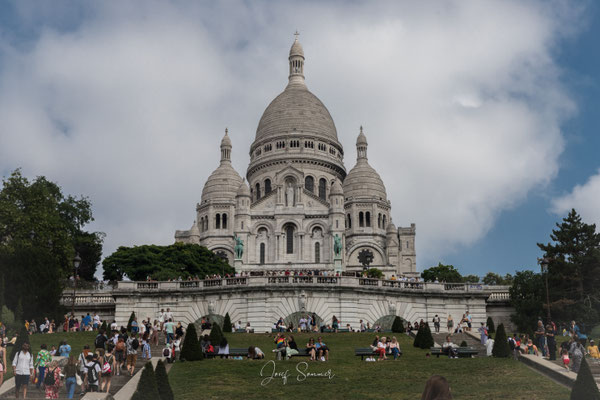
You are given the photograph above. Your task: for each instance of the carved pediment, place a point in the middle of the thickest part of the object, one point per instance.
(289, 170)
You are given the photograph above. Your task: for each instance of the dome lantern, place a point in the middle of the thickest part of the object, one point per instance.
(226, 147)
(296, 60)
(361, 145)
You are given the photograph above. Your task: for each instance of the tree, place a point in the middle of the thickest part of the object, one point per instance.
(191, 350)
(574, 270)
(147, 387)
(494, 279)
(375, 273)
(501, 348)
(39, 226)
(162, 381)
(131, 318)
(585, 387)
(426, 341)
(443, 273)
(22, 337)
(89, 247)
(490, 325)
(397, 325)
(227, 323)
(216, 334)
(164, 262)
(104, 327)
(470, 279)
(418, 337)
(526, 297)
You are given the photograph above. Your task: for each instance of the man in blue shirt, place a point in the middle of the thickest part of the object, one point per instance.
(64, 350)
(322, 350)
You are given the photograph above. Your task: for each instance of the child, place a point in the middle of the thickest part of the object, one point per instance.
(565, 358)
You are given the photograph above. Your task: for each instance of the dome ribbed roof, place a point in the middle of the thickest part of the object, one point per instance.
(364, 182)
(296, 49)
(336, 188)
(243, 190)
(222, 184)
(296, 110)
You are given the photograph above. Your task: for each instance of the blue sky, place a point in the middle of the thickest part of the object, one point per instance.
(481, 116)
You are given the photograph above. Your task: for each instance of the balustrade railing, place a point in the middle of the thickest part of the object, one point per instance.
(147, 285)
(368, 282)
(211, 282)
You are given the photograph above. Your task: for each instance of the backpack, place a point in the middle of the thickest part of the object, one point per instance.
(92, 374)
(135, 344)
(49, 379)
(106, 368)
(99, 344)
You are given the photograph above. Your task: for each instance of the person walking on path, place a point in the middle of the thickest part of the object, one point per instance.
(52, 380)
(2, 361)
(436, 323)
(22, 369)
(42, 360)
(70, 373)
(482, 333)
(132, 352)
(551, 341)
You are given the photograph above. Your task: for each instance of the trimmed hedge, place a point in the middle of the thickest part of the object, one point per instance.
(216, 334)
(398, 326)
(501, 348)
(162, 382)
(490, 325)
(585, 387)
(227, 323)
(191, 350)
(147, 385)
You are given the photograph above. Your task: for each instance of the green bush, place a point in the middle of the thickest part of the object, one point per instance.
(104, 327)
(162, 381)
(501, 348)
(375, 273)
(464, 344)
(418, 337)
(397, 325)
(426, 341)
(490, 325)
(191, 350)
(585, 387)
(227, 323)
(147, 385)
(131, 317)
(23, 337)
(216, 334)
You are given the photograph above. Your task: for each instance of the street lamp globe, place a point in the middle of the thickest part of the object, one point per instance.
(76, 261)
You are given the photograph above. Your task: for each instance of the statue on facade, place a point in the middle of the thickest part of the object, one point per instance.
(289, 195)
(337, 246)
(239, 248)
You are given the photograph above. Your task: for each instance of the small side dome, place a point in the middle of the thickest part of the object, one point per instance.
(391, 228)
(296, 49)
(194, 230)
(361, 139)
(336, 188)
(226, 141)
(244, 190)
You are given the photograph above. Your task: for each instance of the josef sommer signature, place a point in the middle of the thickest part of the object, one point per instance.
(269, 372)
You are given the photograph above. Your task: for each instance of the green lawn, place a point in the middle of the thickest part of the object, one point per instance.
(75, 339)
(477, 378)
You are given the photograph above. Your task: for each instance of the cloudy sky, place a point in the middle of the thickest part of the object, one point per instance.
(481, 116)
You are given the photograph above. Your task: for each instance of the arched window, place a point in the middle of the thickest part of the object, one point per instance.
(317, 252)
(258, 191)
(368, 219)
(267, 186)
(322, 189)
(361, 219)
(206, 223)
(309, 184)
(384, 222)
(379, 221)
(218, 221)
(349, 222)
(224, 221)
(289, 237)
(262, 253)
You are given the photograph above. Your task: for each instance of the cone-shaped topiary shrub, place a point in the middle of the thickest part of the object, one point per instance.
(216, 334)
(418, 337)
(490, 325)
(398, 326)
(23, 337)
(464, 344)
(137, 396)
(104, 327)
(426, 340)
(147, 384)
(191, 350)
(131, 317)
(585, 387)
(501, 347)
(162, 381)
(227, 323)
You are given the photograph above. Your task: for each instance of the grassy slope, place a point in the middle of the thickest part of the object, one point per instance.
(75, 339)
(477, 378)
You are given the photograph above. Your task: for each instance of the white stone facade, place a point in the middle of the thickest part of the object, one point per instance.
(300, 196)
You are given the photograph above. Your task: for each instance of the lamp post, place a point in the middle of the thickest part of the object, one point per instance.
(544, 262)
(76, 262)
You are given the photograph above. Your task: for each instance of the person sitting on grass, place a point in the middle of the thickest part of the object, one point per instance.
(312, 349)
(254, 353)
(279, 345)
(395, 347)
(436, 388)
(322, 350)
(291, 348)
(450, 348)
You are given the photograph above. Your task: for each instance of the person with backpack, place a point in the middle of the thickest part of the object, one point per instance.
(52, 380)
(92, 372)
(108, 366)
(119, 354)
(132, 350)
(42, 360)
(81, 361)
(100, 341)
(22, 369)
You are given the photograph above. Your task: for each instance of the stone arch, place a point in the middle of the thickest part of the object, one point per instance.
(386, 321)
(309, 183)
(378, 253)
(228, 250)
(317, 224)
(263, 224)
(294, 318)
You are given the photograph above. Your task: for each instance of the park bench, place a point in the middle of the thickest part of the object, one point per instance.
(340, 330)
(233, 352)
(368, 352)
(241, 330)
(463, 352)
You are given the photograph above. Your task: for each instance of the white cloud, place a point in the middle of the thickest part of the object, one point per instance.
(461, 102)
(585, 199)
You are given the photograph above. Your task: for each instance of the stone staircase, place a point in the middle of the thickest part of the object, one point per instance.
(457, 338)
(117, 382)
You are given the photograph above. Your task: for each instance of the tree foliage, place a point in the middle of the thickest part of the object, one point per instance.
(490, 325)
(501, 347)
(574, 270)
(191, 350)
(147, 387)
(162, 381)
(585, 387)
(443, 273)
(39, 227)
(227, 323)
(471, 279)
(397, 325)
(163, 262)
(492, 278)
(216, 334)
(526, 295)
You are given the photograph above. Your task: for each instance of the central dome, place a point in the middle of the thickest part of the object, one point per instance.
(296, 110)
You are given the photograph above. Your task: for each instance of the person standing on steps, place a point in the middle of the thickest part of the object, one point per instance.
(22, 369)
(436, 323)
(42, 360)
(132, 351)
